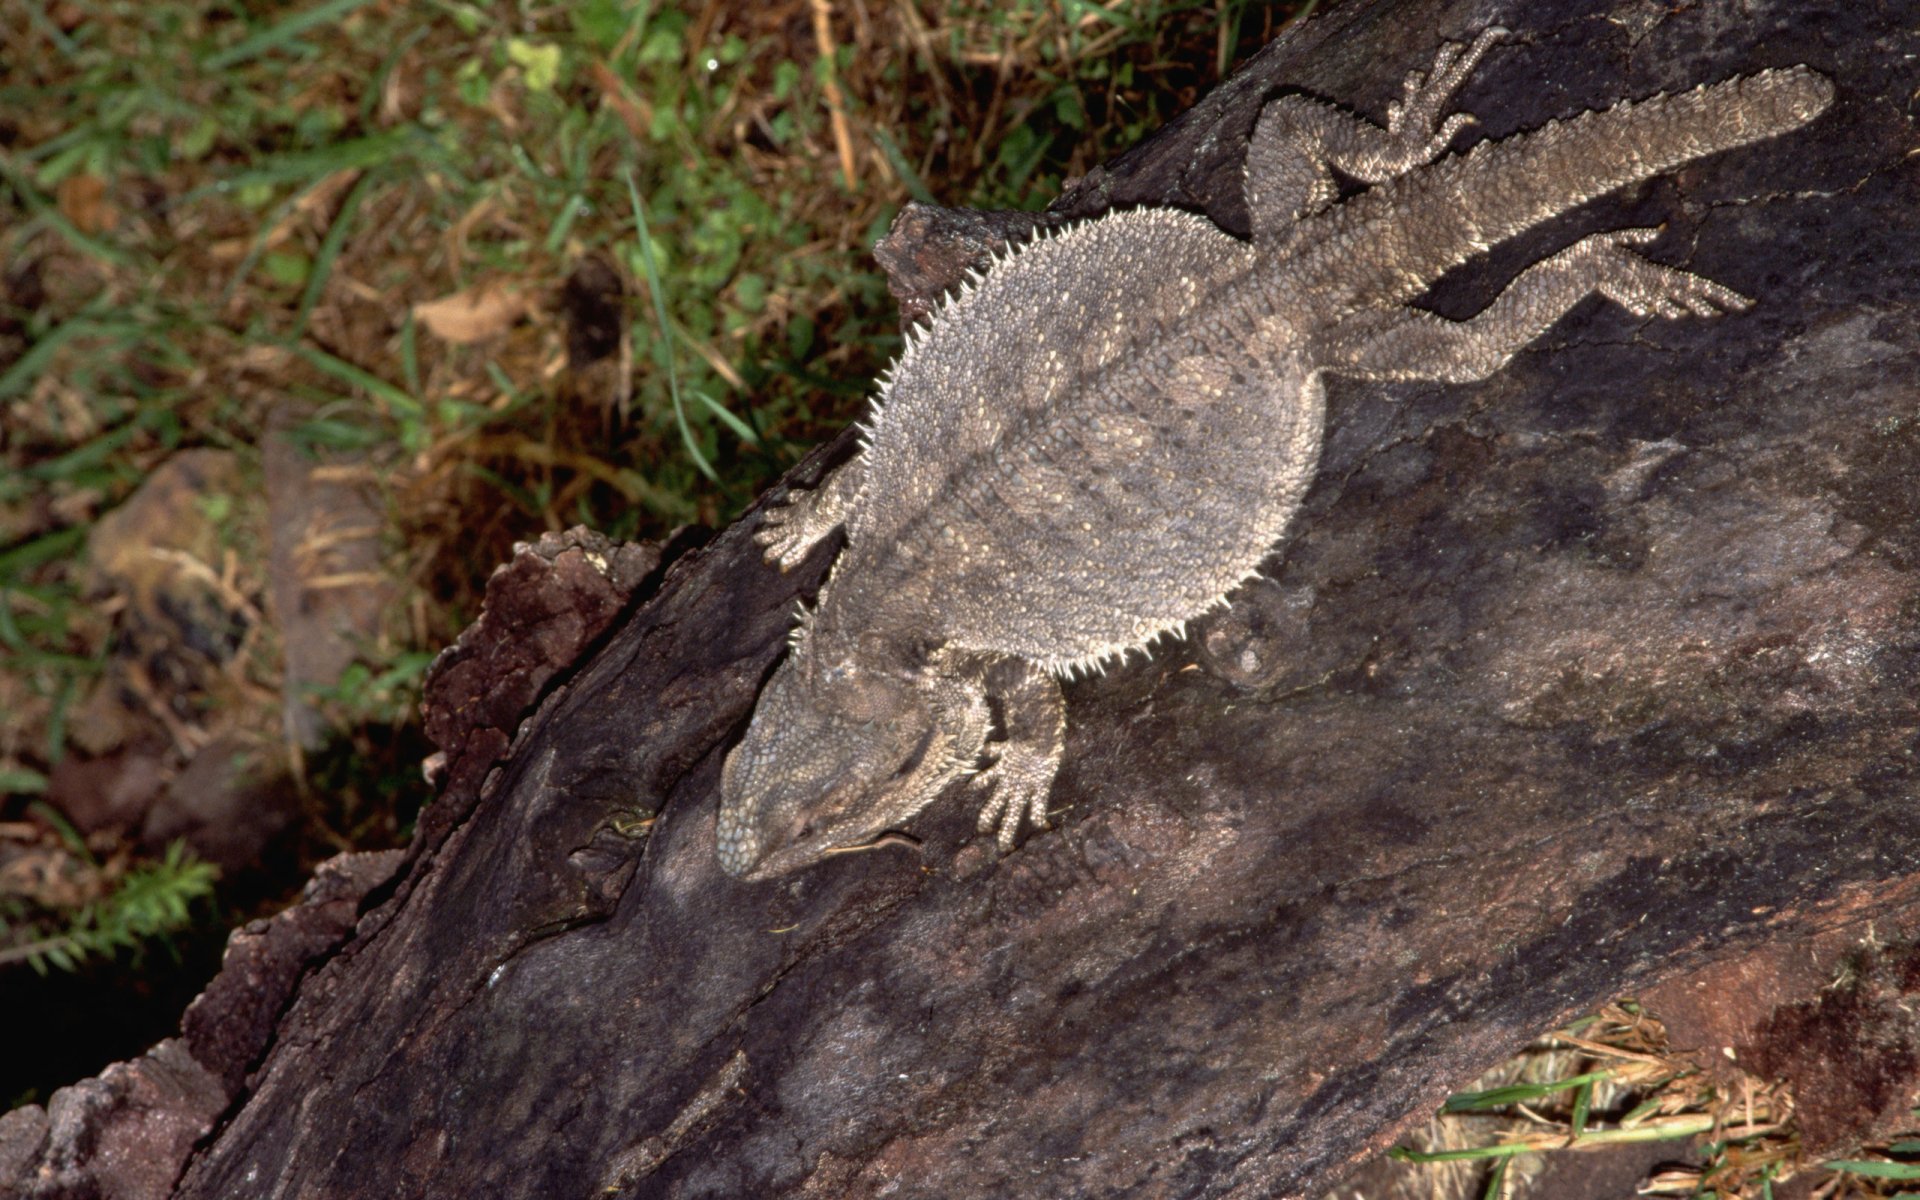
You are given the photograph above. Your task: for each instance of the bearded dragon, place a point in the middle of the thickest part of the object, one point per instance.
(1098, 439)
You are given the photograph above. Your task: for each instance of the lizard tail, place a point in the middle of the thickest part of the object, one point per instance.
(1436, 219)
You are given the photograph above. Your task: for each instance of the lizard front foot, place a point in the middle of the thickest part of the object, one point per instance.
(789, 531)
(1017, 782)
(1015, 790)
(784, 535)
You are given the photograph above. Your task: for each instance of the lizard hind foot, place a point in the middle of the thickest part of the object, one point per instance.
(1414, 120)
(1650, 289)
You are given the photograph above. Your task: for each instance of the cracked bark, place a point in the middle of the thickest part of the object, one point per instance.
(1597, 678)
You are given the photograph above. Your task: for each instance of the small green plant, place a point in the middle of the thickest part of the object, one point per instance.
(364, 696)
(151, 900)
(1892, 1170)
(1752, 1142)
(1605, 1080)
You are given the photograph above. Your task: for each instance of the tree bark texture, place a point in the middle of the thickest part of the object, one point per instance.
(1596, 678)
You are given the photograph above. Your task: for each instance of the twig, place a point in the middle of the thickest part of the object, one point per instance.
(836, 102)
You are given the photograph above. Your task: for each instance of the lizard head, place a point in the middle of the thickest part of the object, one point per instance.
(842, 747)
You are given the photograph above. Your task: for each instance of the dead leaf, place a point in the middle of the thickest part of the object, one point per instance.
(83, 200)
(473, 314)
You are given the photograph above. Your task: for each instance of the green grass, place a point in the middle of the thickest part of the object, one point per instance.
(1741, 1141)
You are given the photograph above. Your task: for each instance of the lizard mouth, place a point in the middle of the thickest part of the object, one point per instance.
(892, 837)
(793, 858)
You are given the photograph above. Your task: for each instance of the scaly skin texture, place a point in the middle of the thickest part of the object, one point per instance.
(1103, 436)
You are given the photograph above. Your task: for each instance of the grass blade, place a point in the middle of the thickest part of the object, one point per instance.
(330, 250)
(354, 154)
(1582, 1105)
(62, 543)
(19, 781)
(1497, 1181)
(403, 405)
(24, 370)
(916, 187)
(666, 330)
(1518, 1093)
(739, 427)
(1874, 1169)
(275, 36)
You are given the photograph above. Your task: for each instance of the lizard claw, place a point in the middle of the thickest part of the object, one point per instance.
(1010, 800)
